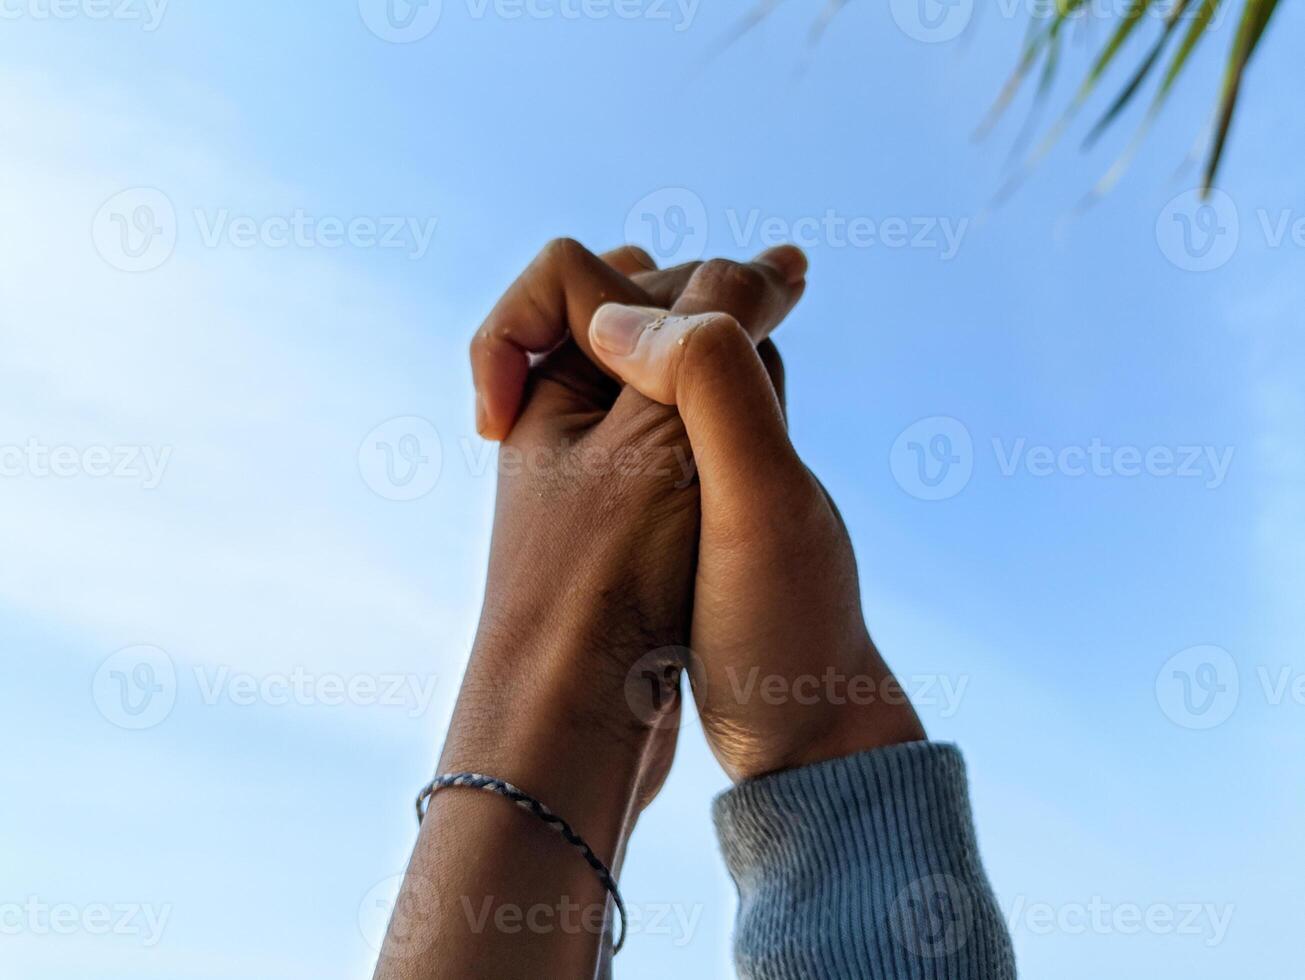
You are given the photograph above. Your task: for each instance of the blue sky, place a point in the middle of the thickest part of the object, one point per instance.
(226, 519)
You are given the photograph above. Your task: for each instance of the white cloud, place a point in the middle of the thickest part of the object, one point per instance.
(259, 371)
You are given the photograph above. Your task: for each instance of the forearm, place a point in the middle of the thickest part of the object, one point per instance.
(492, 891)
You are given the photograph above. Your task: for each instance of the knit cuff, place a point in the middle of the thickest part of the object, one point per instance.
(862, 867)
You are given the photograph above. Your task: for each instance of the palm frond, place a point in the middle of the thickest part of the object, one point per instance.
(1255, 18)
(1042, 46)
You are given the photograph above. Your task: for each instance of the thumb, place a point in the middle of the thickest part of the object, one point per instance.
(708, 367)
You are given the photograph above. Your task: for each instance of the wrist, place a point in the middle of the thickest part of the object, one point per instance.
(559, 735)
(817, 714)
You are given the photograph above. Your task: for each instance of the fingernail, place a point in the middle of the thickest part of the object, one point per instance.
(616, 328)
(789, 260)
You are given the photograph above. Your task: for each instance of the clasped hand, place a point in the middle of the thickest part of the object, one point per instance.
(607, 382)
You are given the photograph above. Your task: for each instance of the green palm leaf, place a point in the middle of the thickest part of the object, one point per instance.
(1042, 46)
(1252, 24)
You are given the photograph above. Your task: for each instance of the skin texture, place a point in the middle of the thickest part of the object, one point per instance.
(649, 502)
(787, 674)
(591, 570)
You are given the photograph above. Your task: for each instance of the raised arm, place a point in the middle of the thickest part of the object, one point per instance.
(591, 572)
(849, 836)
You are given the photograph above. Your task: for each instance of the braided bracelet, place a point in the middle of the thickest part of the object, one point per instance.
(472, 780)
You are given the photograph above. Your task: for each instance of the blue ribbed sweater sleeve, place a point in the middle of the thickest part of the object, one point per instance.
(864, 867)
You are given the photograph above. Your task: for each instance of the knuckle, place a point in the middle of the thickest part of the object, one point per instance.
(711, 347)
(562, 251)
(719, 336)
(728, 277)
(638, 255)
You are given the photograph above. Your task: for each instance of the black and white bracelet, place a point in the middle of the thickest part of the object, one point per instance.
(473, 780)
